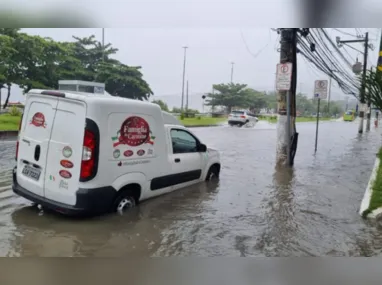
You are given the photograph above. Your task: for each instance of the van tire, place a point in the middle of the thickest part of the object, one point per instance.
(213, 172)
(124, 201)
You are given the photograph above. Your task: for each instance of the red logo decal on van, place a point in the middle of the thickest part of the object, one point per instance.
(128, 153)
(38, 120)
(66, 163)
(65, 174)
(134, 131)
(140, 152)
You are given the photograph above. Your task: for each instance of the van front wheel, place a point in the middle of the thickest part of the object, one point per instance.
(213, 173)
(124, 202)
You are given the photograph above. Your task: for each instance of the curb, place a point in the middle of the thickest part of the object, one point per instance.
(8, 134)
(367, 196)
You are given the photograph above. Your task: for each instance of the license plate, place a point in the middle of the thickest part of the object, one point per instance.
(31, 172)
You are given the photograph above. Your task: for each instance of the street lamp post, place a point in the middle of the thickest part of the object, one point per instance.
(184, 74)
(232, 64)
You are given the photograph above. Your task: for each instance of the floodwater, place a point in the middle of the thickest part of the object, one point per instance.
(254, 210)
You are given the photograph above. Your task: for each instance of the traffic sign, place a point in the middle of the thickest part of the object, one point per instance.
(321, 89)
(284, 76)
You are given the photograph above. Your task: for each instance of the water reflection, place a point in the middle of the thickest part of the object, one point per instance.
(281, 225)
(142, 232)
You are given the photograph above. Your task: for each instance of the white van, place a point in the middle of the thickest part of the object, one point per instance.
(92, 153)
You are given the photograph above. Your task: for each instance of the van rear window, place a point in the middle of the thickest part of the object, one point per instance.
(237, 112)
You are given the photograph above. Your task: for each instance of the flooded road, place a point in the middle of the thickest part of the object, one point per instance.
(254, 210)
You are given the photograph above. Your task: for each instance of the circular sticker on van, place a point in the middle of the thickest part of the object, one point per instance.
(67, 151)
(140, 152)
(128, 153)
(116, 153)
(135, 131)
(38, 120)
(65, 174)
(66, 163)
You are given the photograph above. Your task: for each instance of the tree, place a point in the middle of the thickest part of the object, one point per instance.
(97, 65)
(304, 105)
(8, 66)
(30, 61)
(373, 83)
(256, 100)
(176, 110)
(271, 99)
(36, 62)
(230, 95)
(161, 104)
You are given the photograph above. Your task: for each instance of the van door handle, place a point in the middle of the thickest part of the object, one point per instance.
(37, 152)
(177, 160)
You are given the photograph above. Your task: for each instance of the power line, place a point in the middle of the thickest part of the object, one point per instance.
(323, 55)
(258, 52)
(345, 33)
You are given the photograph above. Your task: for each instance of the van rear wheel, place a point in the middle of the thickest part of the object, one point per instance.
(124, 202)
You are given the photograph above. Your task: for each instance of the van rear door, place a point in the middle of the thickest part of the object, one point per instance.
(65, 151)
(34, 140)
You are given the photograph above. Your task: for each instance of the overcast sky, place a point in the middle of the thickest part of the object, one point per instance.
(209, 56)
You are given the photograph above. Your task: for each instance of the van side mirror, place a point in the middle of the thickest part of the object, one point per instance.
(202, 148)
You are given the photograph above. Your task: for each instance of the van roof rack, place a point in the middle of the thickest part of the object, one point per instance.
(82, 86)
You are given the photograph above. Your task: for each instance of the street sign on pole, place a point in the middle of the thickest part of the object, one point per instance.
(284, 76)
(321, 89)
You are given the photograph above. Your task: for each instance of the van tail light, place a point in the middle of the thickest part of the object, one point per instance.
(18, 138)
(242, 116)
(88, 163)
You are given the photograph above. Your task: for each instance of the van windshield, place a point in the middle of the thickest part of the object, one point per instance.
(237, 112)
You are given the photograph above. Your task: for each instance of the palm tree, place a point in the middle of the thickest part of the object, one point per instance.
(373, 83)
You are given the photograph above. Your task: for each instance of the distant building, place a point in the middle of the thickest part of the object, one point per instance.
(10, 104)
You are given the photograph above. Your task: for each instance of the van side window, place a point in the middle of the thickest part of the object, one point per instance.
(183, 142)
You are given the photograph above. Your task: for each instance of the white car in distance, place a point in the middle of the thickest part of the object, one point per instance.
(241, 118)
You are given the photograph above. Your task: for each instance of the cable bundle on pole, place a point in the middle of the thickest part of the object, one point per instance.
(317, 47)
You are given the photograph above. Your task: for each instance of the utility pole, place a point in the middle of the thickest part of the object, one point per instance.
(330, 91)
(286, 132)
(365, 40)
(232, 64)
(364, 83)
(347, 103)
(103, 44)
(184, 74)
(187, 97)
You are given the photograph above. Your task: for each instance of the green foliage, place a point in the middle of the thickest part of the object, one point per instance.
(376, 195)
(176, 110)
(14, 111)
(9, 123)
(373, 84)
(182, 116)
(231, 95)
(205, 121)
(36, 62)
(161, 104)
(189, 113)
